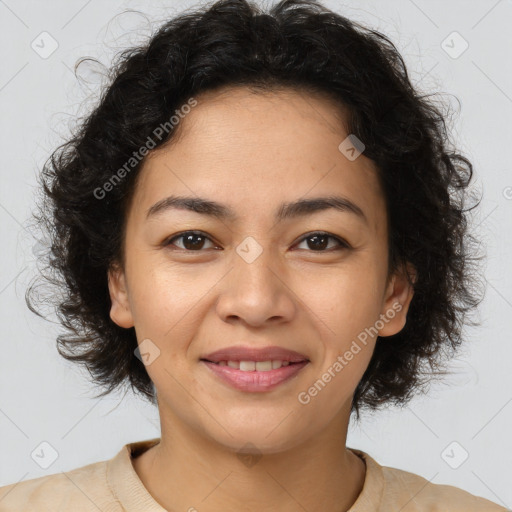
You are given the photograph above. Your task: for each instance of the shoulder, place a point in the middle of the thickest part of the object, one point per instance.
(82, 489)
(422, 495)
(409, 492)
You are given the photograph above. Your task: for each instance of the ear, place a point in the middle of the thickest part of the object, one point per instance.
(120, 311)
(398, 296)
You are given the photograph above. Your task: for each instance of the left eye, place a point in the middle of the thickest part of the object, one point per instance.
(320, 241)
(194, 241)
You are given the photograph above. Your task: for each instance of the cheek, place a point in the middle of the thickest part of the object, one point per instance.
(165, 310)
(161, 298)
(345, 300)
(345, 306)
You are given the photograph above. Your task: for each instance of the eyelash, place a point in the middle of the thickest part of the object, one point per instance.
(342, 243)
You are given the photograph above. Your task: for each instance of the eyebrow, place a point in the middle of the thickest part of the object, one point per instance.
(299, 208)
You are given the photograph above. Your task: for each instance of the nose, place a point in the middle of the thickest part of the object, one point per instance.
(257, 291)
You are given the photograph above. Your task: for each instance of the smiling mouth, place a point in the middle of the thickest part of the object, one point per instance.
(255, 376)
(252, 366)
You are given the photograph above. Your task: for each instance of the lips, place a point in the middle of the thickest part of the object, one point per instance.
(255, 381)
(241, 353)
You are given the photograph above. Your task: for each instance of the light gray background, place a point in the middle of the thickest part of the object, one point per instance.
(44, 398)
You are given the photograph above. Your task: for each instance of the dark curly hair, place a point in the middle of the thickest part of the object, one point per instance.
(299, 45)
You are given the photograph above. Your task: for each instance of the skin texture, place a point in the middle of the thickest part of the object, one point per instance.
(254, 152)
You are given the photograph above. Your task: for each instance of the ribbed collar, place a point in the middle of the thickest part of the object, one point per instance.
(126, 484)
(134, 497)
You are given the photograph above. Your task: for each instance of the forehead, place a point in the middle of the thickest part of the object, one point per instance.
(254, 151)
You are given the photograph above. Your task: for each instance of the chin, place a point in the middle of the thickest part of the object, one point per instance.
(258, 441)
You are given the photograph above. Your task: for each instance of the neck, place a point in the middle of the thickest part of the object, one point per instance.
(187, 471)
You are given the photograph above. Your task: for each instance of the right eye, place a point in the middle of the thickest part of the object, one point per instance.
(193, 241)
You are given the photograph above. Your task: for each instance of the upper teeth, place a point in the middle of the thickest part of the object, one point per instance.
(261, 366)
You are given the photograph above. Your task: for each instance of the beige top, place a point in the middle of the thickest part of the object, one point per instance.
(114, 486)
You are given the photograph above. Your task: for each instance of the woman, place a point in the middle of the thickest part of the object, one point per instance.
(260, 229)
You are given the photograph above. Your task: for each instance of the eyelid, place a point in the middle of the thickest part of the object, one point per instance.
(342, 243)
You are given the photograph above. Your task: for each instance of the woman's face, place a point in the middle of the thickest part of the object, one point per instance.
(254, 278)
